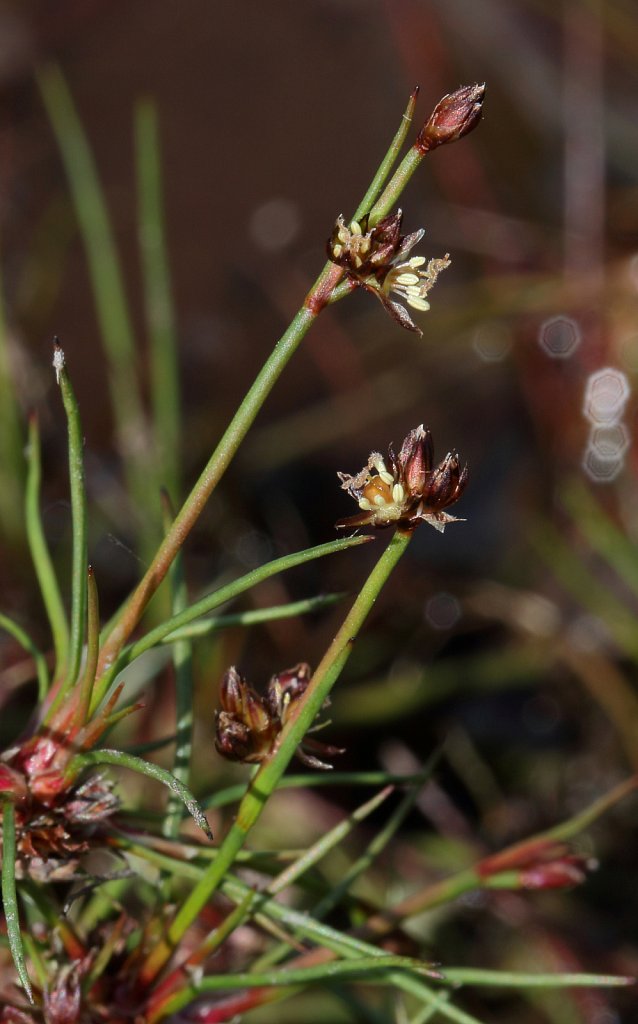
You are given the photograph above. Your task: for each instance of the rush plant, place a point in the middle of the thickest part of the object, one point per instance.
(110, 917)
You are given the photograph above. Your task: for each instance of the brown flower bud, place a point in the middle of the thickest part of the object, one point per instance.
(453, 117)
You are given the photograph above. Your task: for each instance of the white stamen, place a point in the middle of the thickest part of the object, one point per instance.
(398, 494)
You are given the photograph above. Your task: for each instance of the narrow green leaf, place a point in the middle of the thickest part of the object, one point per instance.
(221, 596)
(233, 793)
(377, 968)
(519, 979)
(9, 896)
(203, 627)
(183, 666)
(107, 286)
(79, 570)
(160, 316)
(40, 555)
(25, 641)
(153, 771)
(92, 648)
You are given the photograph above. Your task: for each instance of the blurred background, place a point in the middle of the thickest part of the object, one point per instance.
(513, 636)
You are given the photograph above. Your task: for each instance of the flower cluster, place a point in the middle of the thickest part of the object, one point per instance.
(247, 726)
(376, 259)
(405, 489)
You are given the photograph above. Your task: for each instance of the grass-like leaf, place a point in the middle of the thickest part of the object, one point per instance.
(160, 316)
(25, 641)
(79, 567)
(9, 895)
(153, 771)
(42, 563)
(227, 593)
(253, 617)
(389, 159)
(520, 979)
(106, 283)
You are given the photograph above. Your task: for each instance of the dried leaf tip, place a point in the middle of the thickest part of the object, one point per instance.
(405, 489)
(58, 359)
(454, 116)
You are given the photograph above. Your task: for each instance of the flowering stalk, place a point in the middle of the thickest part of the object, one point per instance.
(264, 783)
(460, 117)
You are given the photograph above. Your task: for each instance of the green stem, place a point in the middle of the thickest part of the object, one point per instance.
(386, 164)
(40, 556)
(265, 781)
(395, 186)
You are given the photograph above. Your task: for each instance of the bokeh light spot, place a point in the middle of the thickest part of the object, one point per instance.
(610, 442)
(601, 470)
(274, 224)
(492, 342)
(606, 395)
(559, 336)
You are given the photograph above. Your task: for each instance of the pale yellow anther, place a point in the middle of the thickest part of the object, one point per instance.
(398, 494)
(343, 235)
(386, 477)
(418, 303)
(407, 278)
(379, 500)
(337, 251)
(357, 260)
(355, 228)
(365, 505)
(416, 261)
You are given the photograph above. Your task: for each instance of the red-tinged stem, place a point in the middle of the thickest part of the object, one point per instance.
(315, 301)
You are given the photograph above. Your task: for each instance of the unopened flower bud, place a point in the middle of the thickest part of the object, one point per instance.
(557, 874)
(453, 117)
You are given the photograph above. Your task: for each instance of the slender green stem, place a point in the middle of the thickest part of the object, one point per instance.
(25, 641)
(79, 574)
(45, 573)
(388, 161)
(160, 316)
(395, 186)
(221, 596)
(265, 781)
(10, 897)
(92, 649)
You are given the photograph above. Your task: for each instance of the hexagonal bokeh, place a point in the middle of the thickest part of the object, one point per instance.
(492, 342)
(606, 395)
(559, 336)
(601, 470)
(611, 441)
